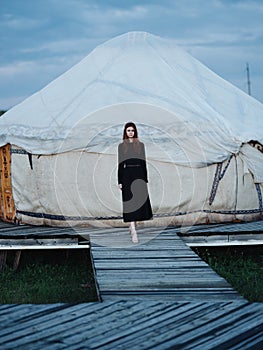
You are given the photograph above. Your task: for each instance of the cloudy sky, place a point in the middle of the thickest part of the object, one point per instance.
(41, 39)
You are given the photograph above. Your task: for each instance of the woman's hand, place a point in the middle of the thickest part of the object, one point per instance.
(120, 186)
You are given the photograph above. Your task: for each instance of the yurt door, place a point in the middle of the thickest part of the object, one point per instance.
(7, 208)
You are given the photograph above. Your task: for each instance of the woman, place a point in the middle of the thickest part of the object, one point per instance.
(132, 179)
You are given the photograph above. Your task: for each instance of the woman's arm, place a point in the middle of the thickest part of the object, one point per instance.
(120, 165)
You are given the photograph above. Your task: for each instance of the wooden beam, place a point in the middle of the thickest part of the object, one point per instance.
(7, 207)
(43, 247)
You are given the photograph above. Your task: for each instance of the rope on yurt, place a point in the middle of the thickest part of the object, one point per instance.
(217, 178)
(236, 191)
(259, 196)
(30, 160)
(159, 215)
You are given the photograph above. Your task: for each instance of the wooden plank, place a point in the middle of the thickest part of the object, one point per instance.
(34, 241)
(143, 263)
(43, 247)
(232, 234)
(19, 231)
(219, 243)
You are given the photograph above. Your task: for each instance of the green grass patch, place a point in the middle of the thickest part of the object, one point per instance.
(242, 267)
(49, 277)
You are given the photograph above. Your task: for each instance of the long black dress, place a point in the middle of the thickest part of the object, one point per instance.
(132, 174)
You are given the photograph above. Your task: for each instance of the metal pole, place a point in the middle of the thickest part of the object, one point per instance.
(248, 80)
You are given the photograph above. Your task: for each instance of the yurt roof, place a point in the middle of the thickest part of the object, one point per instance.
(141, 77)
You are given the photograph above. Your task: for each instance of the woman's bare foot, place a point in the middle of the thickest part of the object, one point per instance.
(133, 232)
(134, 237)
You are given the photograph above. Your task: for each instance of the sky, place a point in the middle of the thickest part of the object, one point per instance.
(41, 39)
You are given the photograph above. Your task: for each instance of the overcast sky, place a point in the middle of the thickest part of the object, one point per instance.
(41, 39)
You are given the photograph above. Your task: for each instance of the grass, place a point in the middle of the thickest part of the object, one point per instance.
(242, 267)
(49, 277)
(67, 276)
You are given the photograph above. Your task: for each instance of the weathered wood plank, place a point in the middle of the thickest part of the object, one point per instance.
(43, 247)
(232, 234)
(38, 241)
(124, 264)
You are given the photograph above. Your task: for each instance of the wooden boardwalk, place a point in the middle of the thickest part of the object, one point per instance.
(226, 234)
(162, 267)
(132, 325)
(156, 295)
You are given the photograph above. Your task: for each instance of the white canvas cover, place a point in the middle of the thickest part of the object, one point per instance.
(76, 188)
(189, 118)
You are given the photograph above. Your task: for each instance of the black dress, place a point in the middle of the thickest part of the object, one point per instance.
(132, 174)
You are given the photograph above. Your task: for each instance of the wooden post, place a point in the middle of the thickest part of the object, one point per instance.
(7, 207)
(3, 257)
(17, 259)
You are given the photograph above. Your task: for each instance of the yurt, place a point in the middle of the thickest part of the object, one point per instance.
(203, 139)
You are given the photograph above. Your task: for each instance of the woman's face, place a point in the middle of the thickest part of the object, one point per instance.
(130, 132)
